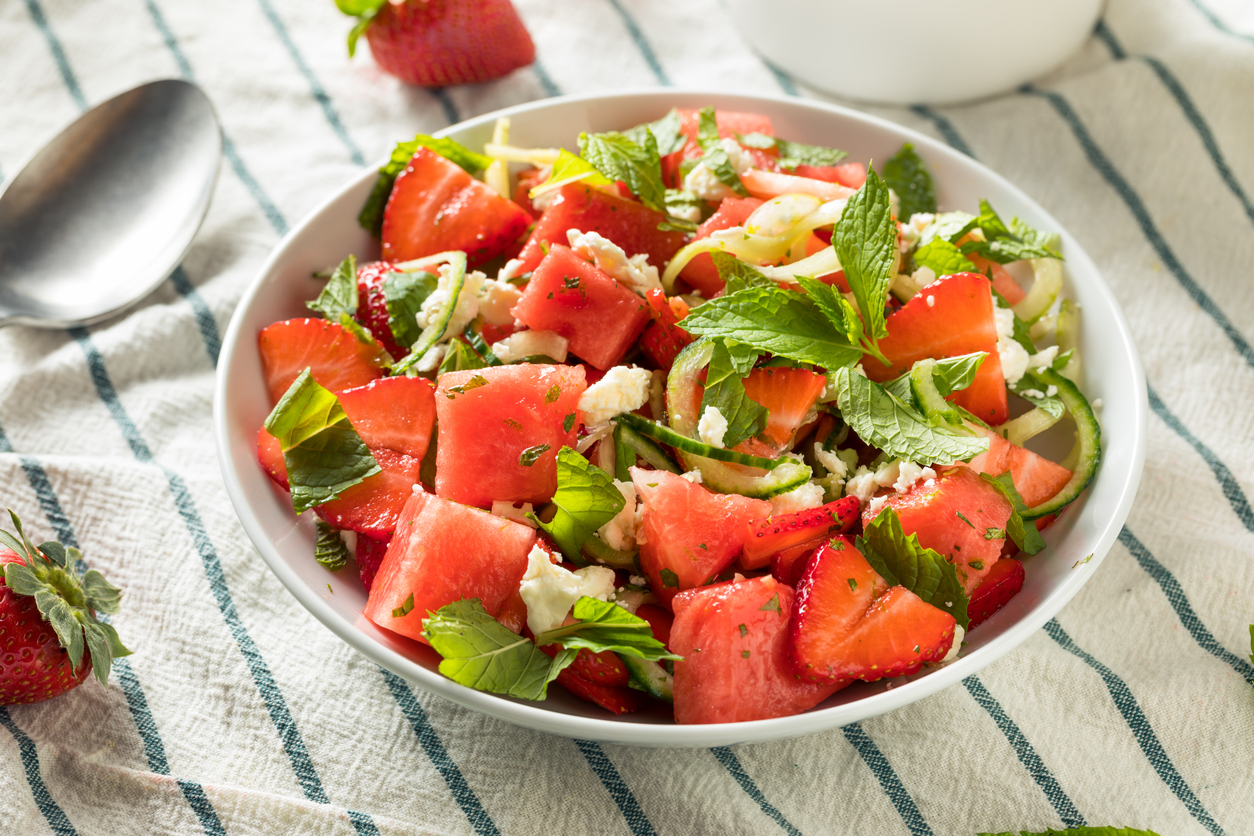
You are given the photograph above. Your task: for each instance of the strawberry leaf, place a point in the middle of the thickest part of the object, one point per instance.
(99, 594)
(901, 561)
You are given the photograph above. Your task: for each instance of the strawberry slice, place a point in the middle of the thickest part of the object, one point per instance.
(1003, 582)
(369, 556)
(602, 668)
(372, 309)
(852, 175)
(663, 339)
(789, 395)
(617, 699)
(787, 566)
(270, 454)
(802, 528)
(436, 206)
(847, 624)
(336, 359)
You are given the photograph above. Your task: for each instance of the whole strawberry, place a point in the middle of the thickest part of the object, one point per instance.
(437, 43)
(48, 617)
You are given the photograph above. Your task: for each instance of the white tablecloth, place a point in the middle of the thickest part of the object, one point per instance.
(240, 714)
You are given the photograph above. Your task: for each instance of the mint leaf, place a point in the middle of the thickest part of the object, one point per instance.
(1004, 245)
(531, 455)
(725, 391)
(403, 294)
(586, 499)
(1024, 534)
(907, 175)
(1032, 389)
(603, 626)
(480, 653)
(736, 274)
(339, 296)
(949, 226)
(901, 561)
(371, 217)
(715, 157)
(949, 374)
(329, 548)
(324, 454)
(943, 258)
(680, 200)
(793, 154)
(834, 306)
(568, 168)
(883, 420)
(1080, 831)
(865, 239)
(770, 319)
(667, 132)
(458, 357)
(619, 158)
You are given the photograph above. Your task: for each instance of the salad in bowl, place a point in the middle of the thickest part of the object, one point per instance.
(690, 419)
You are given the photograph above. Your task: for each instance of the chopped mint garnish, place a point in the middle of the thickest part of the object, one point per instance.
(531, 455)
(339, 296)
(329, 548)
(772, 605)
(669, 579)
(901, 561)
(586, 499)
(907, 175)
(475, 382)
(404, 609)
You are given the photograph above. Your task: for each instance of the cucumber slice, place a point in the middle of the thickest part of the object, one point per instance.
(1087, 454)
(928, 397)
(437, 324)
(1044, 290)
(684, 444)
(649, 677)
(646, 449)
(1027, 426)
(602, 554)
(1069, 337)
(683, 399)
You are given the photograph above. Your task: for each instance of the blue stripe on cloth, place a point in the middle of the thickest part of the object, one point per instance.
(1026, 753)
(1099, 160)
(1227, 482)
(58, 54)
(315, 86)
(1140, 726)
(946, 128)
(446, 102)
(1219, 24)
(228, 147)
(546, 80)
(732, 764)
(204, 317)
(438, 755)
(1180, 603)
(150, 736)
(617, 788)
(783, 79)
(642, 44)
(1191, 112)
(280, 715)
(883, 771)
(55, 816)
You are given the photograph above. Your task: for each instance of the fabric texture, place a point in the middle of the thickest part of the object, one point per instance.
(240, 714)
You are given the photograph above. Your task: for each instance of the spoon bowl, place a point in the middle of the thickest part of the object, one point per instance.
(101, 215)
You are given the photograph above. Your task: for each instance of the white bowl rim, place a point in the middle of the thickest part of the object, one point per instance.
(534, 715)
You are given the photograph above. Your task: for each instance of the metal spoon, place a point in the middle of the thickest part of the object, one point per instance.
(102, 215)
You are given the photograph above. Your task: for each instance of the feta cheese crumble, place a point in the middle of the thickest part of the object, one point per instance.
(705, 184)
(496, 299)
(549, 591)
(693, 476)
(620, 532)
(635, 272)
(466, 306)
(530, 343)
(959, 635)
(802, 498)
(898, 474)
(623, 389)
(712, 427)
(510, 511)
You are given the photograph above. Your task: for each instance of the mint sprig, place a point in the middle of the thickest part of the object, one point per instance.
(329, 548)
(1024, 534)
(884, 420)
(943, 258)
(569, 168)
(403, 295)
(793, 154)
(618, 157)
(902, 561)
(586, 499)
(729, 364)
(667, 132)
(324, 454)
(736, 274)
(907, 175)
(865, 239)
(715, 157)
(1004, 244)
(339, 295)
(371, 217)
(602, 626)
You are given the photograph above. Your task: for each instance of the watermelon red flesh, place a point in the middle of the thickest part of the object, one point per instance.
(701, 272)
(732, 637)
(933, 514)
(1003, 282)
(786, 531)
(852, 175)
(444, 552)
(847, 624)
(373, 507)
(484, 429)
(1036, 478)
(335, 358)
(528, 180)
(372, 310)
(689, 531)
(789, 395)
(631, 225)
(394, 413)
(959, 321)
(600, 317)
(995, 591)
(369, 555)
(436, 206)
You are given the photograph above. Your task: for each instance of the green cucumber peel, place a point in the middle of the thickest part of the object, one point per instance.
(647, 449)
(1088, 449)
(439, 321)
(667, 436)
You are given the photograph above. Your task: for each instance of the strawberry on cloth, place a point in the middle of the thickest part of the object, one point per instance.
(437, 43)
(48, 618)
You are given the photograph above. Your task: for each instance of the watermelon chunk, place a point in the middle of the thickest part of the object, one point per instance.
(489, 417)
(335, 358)
(701, 272)
(600, 317)
(631, 225)
(732, 637)
(1036, 478)
(445, 552)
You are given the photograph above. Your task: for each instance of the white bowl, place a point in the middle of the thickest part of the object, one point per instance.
(915, 51)
(331, 232)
